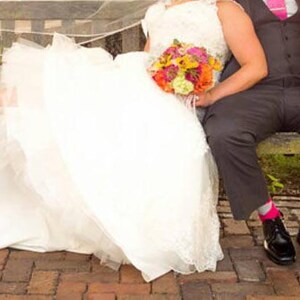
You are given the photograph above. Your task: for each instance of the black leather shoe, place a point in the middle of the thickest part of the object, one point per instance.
(278, 244)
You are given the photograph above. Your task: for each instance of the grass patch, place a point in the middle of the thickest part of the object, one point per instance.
(285, 168)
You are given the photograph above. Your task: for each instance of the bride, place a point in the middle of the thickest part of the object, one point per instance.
(96, 158)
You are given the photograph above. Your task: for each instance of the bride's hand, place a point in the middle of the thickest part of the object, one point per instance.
(204, 99)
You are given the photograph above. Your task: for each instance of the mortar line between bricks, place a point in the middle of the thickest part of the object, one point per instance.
(212, 293)
(213, 296)
(273, 288)
(5, 263)
(58, 282)
(249, 228)
(31, 274)
(263, 269)
(255, 241)
(233, 266)
(85, 292)
(179, 287)
(275, 293)
(56, 285)
(91, 265)
(256, 244)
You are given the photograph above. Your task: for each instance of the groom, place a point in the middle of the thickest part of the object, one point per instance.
(236, 124)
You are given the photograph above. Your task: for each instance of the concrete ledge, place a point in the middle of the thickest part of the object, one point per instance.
(280, 143)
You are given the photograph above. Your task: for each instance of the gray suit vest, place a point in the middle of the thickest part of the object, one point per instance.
(280, 40)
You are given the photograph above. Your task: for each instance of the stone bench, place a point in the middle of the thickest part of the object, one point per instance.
(280, 143)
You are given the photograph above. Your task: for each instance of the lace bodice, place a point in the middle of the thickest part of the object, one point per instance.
(194, 22)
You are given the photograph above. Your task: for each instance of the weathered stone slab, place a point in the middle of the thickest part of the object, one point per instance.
(280, 143)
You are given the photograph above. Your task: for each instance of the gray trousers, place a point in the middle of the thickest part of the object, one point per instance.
(236, 124)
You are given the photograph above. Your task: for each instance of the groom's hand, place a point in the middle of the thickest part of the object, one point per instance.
(204, 99)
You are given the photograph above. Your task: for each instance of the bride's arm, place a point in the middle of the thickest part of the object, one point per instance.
(241, 38)
(147, 45)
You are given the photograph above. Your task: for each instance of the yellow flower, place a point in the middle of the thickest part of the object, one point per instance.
(215, 63)
(186, 63)
(182, 86)
(211, 61)
(218, 66)
(163, 62)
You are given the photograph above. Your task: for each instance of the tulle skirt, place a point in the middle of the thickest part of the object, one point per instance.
(95, 158)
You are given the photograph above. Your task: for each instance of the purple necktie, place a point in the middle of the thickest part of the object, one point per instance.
(278, 8)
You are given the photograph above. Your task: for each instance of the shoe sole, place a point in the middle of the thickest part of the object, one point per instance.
(274, 259)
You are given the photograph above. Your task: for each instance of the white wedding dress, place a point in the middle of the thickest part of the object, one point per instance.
(95, 158)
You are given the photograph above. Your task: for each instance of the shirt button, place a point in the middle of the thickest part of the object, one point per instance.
(286, 38)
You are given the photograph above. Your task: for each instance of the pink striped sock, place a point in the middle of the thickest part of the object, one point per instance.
(272, 213)
(278, 7)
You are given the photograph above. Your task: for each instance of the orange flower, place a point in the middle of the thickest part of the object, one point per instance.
(205, 80)
(159, 78)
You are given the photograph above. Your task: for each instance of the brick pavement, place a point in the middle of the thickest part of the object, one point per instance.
(245, 272)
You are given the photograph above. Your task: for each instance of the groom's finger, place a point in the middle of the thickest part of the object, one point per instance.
(198, 103)
(201, 102)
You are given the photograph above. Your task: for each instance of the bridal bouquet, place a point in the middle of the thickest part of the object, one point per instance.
(184, 69)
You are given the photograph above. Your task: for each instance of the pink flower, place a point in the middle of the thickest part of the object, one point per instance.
(170, 72)
(194, 74)
(192, 78)
(199, 69)
(199, 54)
(195, 51)
(173, 51)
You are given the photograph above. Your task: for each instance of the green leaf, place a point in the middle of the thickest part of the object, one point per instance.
(176, 42)
(272, 177)
(278, 184)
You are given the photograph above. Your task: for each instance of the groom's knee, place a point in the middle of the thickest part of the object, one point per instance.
(224, 136)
